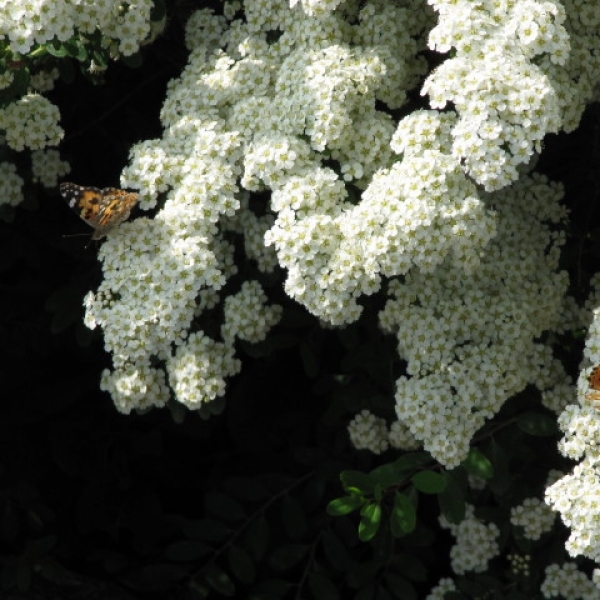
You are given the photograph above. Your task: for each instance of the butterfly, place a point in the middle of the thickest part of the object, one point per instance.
(102, 209)
(594, 381)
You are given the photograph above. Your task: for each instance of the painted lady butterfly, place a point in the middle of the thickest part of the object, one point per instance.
(594, 381)
(102, 209)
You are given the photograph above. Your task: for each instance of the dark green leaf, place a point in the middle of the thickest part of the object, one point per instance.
(502, 475)
(241, 565)
(293, 517)
(322, 587)
(410, 566)
(208, 530)
(403, 518)
(334, 550)
(287, 556)
(387, 475)
(478, 464)
(538, 424)
(370, 519)
(413, 460)
(257, 537)
(219, 580)
(345, 505)
(357, 480)
(224, 506)
(364, 572)
(187, 551)
(399, 587)
(452, 499)
(429, 482)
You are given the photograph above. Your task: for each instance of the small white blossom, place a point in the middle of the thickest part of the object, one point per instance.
(368, 432)
(476, 543)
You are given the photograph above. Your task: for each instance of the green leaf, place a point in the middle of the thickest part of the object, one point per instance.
(413, 460)
(357, 481)
(76, 49)
(322, 587)
(241, 565)
(369, 522)
(56, 48)
(452, 500)
(403, 518)
(219, 580)
(429, 482)
(187, 551)
(345, 505)
(293, 518)
(538, 424)
(287, 556)
(478, 464)
(387, 475)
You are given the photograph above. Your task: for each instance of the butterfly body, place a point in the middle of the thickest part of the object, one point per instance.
(102, 209)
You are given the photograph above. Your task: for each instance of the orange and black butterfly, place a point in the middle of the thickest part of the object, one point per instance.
(102, 209)
(594, 381)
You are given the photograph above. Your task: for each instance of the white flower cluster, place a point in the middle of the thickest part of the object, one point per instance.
(476, 543)
(43, 81)
(506, 102)
(470, 336)
(11, 184)
(247, 315)
(569, 583)
(520, 564)
(576, 496)
(534, 517)
(439, 591)
(123, 24)
(47, 167)
(31, 122)
(313, 7)
(368, 432)
(198, 368)
(245, 113)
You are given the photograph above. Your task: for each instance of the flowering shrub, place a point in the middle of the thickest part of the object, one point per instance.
(373, 164)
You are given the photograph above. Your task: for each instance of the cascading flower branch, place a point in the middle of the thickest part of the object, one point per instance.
(295, 101)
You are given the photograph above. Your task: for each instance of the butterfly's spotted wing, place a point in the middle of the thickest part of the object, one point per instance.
(102, 209)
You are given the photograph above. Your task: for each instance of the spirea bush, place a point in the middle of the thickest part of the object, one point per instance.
(373, 167)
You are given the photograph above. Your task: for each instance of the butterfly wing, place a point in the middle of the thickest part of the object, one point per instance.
(102, 209)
